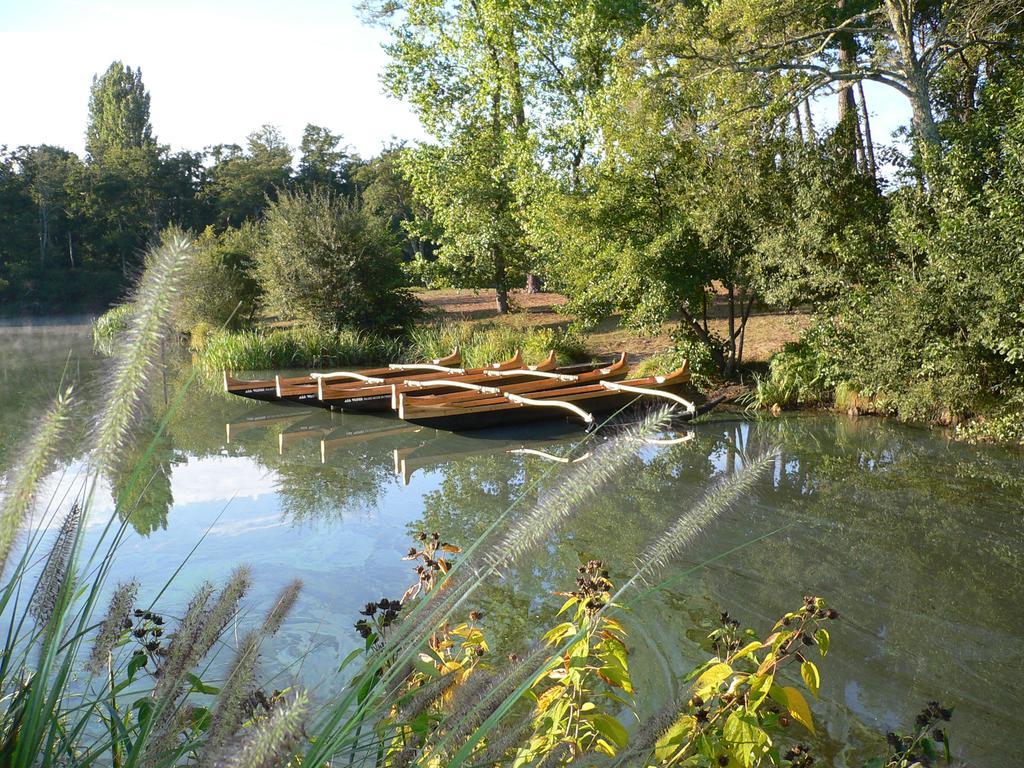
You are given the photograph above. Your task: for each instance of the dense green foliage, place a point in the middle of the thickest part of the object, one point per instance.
(219, 288)
(73, 229)
(940, 335)
(648, 159)
(326, 260)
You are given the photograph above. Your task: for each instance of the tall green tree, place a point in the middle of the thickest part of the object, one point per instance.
(818, 47)
(503, 87)
(48, 171)
(240, 182)
(324, 160)
(118, 111)
(385, 191)
(459, 67)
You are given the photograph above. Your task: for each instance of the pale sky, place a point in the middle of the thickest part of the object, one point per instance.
(218, 70)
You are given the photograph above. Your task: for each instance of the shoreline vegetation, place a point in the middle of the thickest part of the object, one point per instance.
(98, 673)
(788, 376)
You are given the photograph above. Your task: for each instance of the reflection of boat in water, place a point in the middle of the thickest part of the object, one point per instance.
(267, 389)
(272, 416)
(559, 444)
(445, 447)
(344, 437)
(315, 425)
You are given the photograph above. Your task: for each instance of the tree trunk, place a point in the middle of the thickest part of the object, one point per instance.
(869, 145)
(704, 336)
(847, 127)
(534, 284)
(743, 325)
(730, 364)
(44, 232)
(901, 19)
(810, 123)
(500, 288)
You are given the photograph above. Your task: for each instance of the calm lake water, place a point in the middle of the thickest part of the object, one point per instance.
(917, 541)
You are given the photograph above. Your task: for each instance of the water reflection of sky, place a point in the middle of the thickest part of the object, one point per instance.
(918, 542)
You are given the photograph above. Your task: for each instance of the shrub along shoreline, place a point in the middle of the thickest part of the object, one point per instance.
(799, 375)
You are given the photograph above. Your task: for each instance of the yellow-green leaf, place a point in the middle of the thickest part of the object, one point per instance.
(559, 633)
(759, 687)
(746, 739)
(747, 650)
(610, 728)
(712, 678)
(794, 703)
(812, 679)
(823, 639)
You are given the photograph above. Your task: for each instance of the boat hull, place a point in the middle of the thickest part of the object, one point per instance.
(513, 414)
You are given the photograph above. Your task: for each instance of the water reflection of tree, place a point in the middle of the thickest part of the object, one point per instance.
(922, 552)
(917, 542)
(141, 479)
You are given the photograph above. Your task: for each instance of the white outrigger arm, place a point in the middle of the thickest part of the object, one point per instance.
(349, 375)
(550, 456)
(397, 401)
(618, 387)
(531, 372)
(588, 418)
(425, 367)
(320, 377)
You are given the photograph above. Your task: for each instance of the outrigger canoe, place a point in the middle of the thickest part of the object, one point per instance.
(385, 396)
(266, 389)
(359, 391)
(581, 402)
(444, 391)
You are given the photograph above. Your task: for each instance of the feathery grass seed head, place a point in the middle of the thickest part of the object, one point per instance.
(138, 355)
(690, 523)
(24, 480)
(230, 709)
(269, 743)
(282, 607)
(113, 625)
(55, 572)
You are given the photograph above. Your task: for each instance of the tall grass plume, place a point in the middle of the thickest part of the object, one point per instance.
(136, 358)
(24, 480)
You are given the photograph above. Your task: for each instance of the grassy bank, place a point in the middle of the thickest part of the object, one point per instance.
(312, 348)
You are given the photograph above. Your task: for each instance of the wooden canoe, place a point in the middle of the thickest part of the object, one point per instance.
(335, 390)
(266, 389)
(581, 403)
(529, 378)
(384, 398)
(458, 392)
